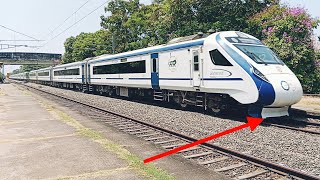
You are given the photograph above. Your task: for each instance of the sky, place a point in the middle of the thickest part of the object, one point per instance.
(45, 20)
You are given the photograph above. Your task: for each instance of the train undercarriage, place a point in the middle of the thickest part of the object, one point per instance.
(213, 103)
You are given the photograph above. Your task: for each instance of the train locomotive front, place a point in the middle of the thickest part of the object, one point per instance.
(273, 86)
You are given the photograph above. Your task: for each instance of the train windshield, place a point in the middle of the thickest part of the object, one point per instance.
(260, 54)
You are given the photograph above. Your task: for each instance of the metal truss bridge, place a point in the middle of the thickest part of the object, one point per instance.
(26, 58)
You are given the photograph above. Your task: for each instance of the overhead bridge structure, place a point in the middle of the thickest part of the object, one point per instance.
(26, 58)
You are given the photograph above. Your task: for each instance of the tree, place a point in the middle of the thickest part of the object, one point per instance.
(227, 15)
(116, 23)
(1, 77)
(288, 32)
(87, 45)
(137, 26)
(28, 68)
(68, 46)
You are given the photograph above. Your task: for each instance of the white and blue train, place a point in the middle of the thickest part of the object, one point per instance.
(214, 72)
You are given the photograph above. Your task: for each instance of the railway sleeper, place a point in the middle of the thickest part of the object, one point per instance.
(135, 130)
(198, 155)
(190, 149)
(156, 138)
(128, 126)
(145, 135)
(214, 160)
(173, 146)
(227, 168)
(253, 174)
(167, 141)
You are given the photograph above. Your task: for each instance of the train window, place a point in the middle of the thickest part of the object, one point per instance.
(122, 68)
(43, 73)
(67, 72)
(196, 62)
(218, 59)
(260, 54)
(154, 65)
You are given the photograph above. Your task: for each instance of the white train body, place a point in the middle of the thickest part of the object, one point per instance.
(202, 72)
(19, 76)
(43, 74)
(33, 75)
(68, 73)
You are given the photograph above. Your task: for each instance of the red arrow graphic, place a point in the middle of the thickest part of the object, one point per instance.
(252, 123)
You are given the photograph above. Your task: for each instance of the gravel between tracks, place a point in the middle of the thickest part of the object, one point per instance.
(294, 149)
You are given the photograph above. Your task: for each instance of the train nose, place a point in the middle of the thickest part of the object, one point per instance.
(287, 87)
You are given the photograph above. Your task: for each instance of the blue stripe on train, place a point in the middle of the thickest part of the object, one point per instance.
(222, 79)
(178, 79)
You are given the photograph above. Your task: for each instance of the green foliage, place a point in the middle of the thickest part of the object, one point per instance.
(227, 14)
(28, 68)
(1, 76)
(132, 25)
(137, 26)
(288, 32)
(87, 45)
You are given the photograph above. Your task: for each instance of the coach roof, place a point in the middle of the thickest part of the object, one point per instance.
(149, 50)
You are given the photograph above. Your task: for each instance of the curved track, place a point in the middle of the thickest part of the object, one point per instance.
(229, 162)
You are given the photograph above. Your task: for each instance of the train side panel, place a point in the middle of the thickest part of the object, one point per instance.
(44, 74)
(175, 70)
(71, 73)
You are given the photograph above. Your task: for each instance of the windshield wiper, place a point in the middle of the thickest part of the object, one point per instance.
(255, 57)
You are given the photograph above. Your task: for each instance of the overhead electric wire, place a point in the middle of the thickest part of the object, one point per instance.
(68, 18)
(75, 23)
(19, 40)
(19, 32)
(10, 46)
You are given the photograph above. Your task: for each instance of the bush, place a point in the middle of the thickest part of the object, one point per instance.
(288, 31)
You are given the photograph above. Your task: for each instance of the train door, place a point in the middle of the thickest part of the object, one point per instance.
(83, 73)
(51, 74)
(196, 68)
(155, 71)
(88, 74)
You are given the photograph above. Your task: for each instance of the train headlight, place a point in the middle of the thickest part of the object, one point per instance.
(259, 74)
(285, 85)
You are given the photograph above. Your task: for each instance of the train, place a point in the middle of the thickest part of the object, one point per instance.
(214, 72)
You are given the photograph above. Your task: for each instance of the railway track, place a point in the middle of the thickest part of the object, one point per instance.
(312, 95)
(231, 163)
(296, 125)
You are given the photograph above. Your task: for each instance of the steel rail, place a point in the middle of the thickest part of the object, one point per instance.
(315, 95)
(293, 128)
(271, 166)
